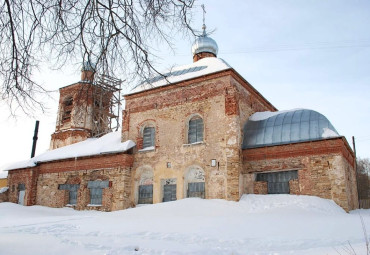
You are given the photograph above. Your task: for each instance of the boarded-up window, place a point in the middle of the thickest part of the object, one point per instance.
(148, 137)
(73, 191)
(196, 189)
(195, 133)
(96, 191)
(278, 182)
(145, 194)
(169, 192)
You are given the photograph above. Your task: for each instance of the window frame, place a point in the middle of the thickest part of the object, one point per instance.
(148, 142)
(195, 132)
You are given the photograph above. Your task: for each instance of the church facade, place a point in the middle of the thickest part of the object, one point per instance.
(203, 131)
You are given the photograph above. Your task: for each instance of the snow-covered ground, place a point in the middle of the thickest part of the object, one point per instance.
(274, 224)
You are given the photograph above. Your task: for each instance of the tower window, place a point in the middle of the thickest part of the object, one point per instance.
(67, 109)
(68, 101)
(67, 116)
(195, 131)
(148, 137)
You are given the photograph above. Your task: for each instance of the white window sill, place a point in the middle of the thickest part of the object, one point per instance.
(192, 144)
(91, 205)
(151, 148)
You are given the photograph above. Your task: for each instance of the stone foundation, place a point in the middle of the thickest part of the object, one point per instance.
(115, 197)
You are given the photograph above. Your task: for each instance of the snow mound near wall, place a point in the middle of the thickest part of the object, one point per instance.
(248, 204)
(272, 203)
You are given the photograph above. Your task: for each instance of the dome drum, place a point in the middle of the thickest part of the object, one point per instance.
(203, 45)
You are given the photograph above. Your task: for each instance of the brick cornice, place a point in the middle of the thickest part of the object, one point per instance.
(176, 85)
(231, 72)
(87, 163)
(337, 145)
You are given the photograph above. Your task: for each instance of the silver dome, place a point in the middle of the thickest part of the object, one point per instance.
(287, 127)
(204, 44)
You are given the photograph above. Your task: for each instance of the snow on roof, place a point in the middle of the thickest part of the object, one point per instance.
(180, 73)
(109, 143)
(3, 189)
(265, 115)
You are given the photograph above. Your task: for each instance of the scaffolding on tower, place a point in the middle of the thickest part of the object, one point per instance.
(106, 105)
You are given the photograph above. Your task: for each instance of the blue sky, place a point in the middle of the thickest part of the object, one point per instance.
(311, 54)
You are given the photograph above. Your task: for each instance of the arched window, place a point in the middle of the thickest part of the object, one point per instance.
(148, 137)
(195, 131)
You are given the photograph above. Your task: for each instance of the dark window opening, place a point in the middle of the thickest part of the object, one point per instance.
(68, 101)
(196, 189)
(148, 137)
(195, 132)
(21, 186)
(145, 194)
(67, 109)
(278, 182)
(67, 116)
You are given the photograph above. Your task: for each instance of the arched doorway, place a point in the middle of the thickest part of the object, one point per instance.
(145, 185)
(194, 182)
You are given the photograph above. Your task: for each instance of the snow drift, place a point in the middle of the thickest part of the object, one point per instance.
(258, 224)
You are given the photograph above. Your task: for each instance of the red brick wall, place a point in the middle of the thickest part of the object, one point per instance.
(86, 163)
(201, 55)
(93, 168)
(27, 176)
(328, 146)
(143, 100)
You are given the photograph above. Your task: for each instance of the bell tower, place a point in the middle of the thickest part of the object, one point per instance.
(85, 108)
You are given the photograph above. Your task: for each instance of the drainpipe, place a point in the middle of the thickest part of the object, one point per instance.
(358, 190)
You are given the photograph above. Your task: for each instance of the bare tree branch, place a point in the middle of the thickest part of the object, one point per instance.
(119, 36)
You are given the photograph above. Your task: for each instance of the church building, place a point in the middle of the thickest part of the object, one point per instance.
(198, 130)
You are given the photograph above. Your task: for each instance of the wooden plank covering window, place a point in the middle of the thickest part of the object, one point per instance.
(73, 191)
(196, 189)
(96, 196)
(278, 182)
(148, 137)
(195, 133)
(72, 197)
(169, 192)
(96, 191)
(145, 194)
